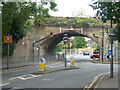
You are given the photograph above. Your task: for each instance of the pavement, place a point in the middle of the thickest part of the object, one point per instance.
(107, 82)
(29, 66)
(103, 81)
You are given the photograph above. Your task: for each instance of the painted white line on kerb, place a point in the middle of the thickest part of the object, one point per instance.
(4, 84)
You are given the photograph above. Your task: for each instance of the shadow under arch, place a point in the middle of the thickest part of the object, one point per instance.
(50, 43)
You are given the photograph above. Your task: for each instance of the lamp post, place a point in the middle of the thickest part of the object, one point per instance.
(111, 60)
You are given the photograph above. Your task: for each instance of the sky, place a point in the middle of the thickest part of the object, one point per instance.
(67, 7)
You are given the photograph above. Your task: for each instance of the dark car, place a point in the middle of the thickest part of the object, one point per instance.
(86, 52)
(95, 55)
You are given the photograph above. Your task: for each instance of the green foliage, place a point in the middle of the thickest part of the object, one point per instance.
(53, 5)
(59, 47)
(109, 11)
(117, 32)
(76, 22)
(18, 17)
(95, 45)
(77, 42)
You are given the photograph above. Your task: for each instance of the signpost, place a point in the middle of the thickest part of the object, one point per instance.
(111, 34)
(42, 64)
(65, 40)
(8, 39)
(109, 52)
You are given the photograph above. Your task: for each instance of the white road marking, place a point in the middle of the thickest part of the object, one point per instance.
(13, 78)
(53, 66)
(25, 77)
(4, 84)
(48, 79)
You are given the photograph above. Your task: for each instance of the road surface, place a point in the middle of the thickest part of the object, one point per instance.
(77, 78)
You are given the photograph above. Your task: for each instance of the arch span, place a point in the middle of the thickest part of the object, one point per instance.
(50, 43)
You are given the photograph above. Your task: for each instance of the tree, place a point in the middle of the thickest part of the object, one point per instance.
(59, 47)
(80, 42)
(77, 42)
(16, 20)
(109, 11)
(95, 45)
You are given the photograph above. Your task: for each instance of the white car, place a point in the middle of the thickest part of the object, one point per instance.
(80, 52)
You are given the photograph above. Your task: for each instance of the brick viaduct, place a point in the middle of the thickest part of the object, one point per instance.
(47, 45)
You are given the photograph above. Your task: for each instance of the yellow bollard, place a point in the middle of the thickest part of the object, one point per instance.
(73, 62)
(41, 66)
(44, 66)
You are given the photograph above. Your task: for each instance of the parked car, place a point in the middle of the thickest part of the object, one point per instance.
(86, 52)
(95, 55)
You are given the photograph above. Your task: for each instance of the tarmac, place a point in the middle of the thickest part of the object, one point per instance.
(102, 81)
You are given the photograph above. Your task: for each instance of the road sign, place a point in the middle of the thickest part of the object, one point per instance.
(65, 39)
(7, 38)
(109, 52)
(110, 32)
(41, 60)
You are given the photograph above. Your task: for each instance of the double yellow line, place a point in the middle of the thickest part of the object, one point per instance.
(89, 86)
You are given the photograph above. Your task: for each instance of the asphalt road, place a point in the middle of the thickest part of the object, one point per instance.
(77, 78)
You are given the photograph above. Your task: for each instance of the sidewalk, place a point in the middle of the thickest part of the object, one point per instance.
(31, 66)
(107, 82)
(104, 82)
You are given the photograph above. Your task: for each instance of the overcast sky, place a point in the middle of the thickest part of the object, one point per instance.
(67, 7)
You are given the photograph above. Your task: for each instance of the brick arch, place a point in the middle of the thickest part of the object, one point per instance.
(57, 34)
(50, 43)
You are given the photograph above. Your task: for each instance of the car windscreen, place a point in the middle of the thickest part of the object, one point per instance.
(95, 52)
